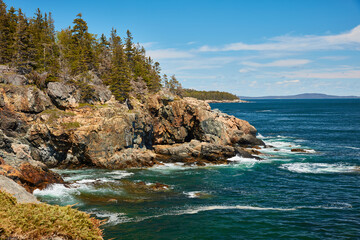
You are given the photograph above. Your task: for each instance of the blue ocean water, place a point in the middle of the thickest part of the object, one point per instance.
(288, 195)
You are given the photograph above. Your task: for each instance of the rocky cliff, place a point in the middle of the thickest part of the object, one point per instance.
(53, 128)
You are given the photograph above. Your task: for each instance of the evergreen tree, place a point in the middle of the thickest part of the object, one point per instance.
(129, 48)
(119, 79)
(103, 60)
(24, 50)
(8, 22)
(77, 44)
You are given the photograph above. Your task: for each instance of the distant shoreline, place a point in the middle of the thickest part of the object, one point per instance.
(302, 96)
(226, 101)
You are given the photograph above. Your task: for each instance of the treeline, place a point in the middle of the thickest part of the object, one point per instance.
(32, 46)
(209, 95)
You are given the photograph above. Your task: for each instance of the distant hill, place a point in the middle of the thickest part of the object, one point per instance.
(301, 96)
(209, 95)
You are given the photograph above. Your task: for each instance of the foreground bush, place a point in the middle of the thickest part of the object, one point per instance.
(43, 221)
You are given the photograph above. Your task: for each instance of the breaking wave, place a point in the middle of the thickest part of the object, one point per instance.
(319, 168)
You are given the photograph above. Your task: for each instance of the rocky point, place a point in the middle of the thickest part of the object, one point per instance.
(52, 127)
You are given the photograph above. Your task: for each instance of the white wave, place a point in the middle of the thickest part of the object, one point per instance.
(168, 168)
(283, 144)
(337, 205)
(112, 218)
(355, 148)
(195, 194)
(318, 168)
(260, 136)
(265, 110)
(247, 162)
(57, 190)
(77, 177)
(239, 207)
(119, 174)
(84, 181)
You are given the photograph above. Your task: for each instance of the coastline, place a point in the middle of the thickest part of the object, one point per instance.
(227, 101)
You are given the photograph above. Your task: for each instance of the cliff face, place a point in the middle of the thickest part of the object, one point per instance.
(51, 128)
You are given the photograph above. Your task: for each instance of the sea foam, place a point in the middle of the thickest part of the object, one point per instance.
(318, 168)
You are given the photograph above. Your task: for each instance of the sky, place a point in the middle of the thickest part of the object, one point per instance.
(249, 48)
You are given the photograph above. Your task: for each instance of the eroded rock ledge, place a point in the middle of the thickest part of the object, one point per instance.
(51, 128)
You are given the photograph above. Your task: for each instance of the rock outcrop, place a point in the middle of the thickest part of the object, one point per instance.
(53, 128)
(20, 193)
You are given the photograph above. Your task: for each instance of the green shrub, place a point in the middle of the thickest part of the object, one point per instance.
(43, 221)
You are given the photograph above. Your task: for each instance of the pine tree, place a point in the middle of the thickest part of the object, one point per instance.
(129, 48)
(119, 79)
(102, 54)
(24, 50)
(5, 35)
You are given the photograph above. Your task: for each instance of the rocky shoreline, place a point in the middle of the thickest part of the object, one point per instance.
(52, 128)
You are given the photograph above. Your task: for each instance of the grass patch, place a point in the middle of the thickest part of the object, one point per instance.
(70, 125)
(55, 114)
(88, 105)
(42, 221)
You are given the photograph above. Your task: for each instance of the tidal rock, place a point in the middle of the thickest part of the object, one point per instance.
(30, 176)
(128, 158)
(299, 150)
(197, 152)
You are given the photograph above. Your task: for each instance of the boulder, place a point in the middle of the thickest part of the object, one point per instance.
(13, 79)
(63, 95)
(19, 192)
(299, 150)
(26, 99)
(128, 158)
(198, 152)
(31, 176)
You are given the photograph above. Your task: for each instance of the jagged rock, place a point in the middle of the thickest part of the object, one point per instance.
(128, 158)
(13, 79)
(12, 124)
(19, 192)
(30, 176)
(186, 119)
(299, 150)
(27, 99)
(198, 152)
(63, 95)
(114, 135)
(2, 101)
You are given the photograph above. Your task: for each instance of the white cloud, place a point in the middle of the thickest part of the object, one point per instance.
(253, 84)
(279, 63)
(148, 44)
(169, 53)
(288, 82)
(347, 40)
(345, 74)
(244, 70)
(334, 58)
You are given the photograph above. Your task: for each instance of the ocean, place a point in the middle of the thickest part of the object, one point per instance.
(287, 195)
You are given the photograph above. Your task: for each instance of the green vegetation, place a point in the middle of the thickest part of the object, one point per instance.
(209, 95)
(70, 125)
(42, 221)
(55, 114)
(173, 85)
(32, 46)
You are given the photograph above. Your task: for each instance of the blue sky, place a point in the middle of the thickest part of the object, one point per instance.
(250, 48)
